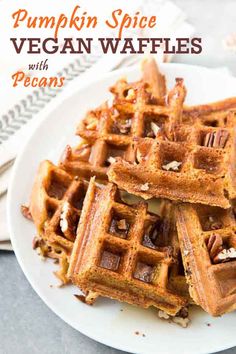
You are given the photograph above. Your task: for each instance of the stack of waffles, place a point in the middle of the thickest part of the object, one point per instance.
(145, 143)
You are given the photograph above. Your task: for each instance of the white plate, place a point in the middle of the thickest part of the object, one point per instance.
(105, 322)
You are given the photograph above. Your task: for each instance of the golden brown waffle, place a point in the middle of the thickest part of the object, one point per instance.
(191, 161)
(124, 253)
(109, 133)
(55, 205)
(207, 238)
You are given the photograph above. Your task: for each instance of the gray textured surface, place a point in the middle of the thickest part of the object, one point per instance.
(27, 326)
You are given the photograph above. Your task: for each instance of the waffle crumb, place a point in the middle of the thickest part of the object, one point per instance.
(172, 166)
(144, 187)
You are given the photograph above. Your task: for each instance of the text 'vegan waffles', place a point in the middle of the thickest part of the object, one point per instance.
(150, 145)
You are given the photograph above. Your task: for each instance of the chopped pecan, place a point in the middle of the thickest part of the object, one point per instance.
(68, 221)
(214, 246)
(225, 255)
(144, 187)
(144, 272)
(183, 322)
(26, 212)
(163, 314)
(172, 166)
(216, 139)
(122, 224)
(155, 128)
(122, 126)
(111, 160)
(120, 227)
(130, 94)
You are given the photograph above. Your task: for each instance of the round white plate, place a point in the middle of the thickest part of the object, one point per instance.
(117, 325)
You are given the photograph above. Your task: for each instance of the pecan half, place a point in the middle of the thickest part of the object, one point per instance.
(216, 139)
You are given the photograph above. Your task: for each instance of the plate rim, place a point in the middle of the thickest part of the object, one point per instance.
(10, 197)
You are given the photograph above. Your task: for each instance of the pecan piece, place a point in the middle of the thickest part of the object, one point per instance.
(214, 246)
(26, 212)
(130, 95)
(172, 166)
(68, 221)
(226, 255)
(144, 187)
(122, 224)
(91, 121)
(216, 139)
(212, 224)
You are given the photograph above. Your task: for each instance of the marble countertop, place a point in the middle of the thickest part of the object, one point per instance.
(27, 325)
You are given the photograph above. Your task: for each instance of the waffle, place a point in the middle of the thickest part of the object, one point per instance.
(109, 132)
(120, 254)
(191, 160)
(208, 241)
(55, 205)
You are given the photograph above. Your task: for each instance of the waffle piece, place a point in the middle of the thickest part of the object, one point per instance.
(109, 133)
(192, 162)
(212, 114)
(208, 244)
(124, 253)
(55, 205)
